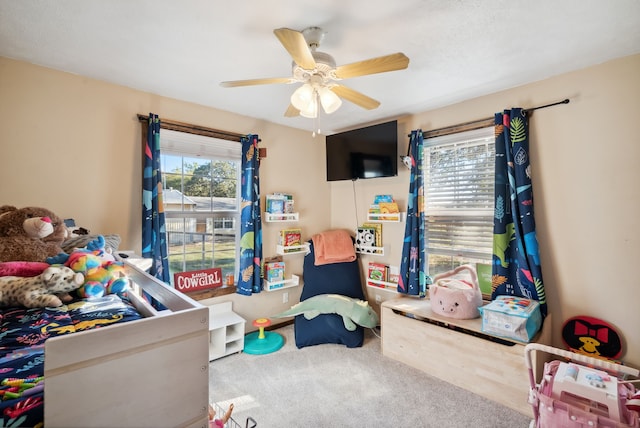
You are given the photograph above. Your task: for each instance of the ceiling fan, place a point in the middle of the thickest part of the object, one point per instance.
(318, 73)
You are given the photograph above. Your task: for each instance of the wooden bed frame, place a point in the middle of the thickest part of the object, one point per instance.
(152, 372)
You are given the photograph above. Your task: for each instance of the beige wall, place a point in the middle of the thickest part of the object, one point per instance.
(73, 144)
(584, 158)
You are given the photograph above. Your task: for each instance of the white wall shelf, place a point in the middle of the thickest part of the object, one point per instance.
(279, 285)
(280, 217)
(373, 251)
(381, 284)
(226, 331)
(386, 217)
(292, 249)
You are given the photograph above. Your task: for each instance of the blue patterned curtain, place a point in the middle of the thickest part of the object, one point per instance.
(250, 280)
(413, 278)
(154, 238)
(516, 258)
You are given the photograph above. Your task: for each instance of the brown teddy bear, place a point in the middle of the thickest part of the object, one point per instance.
(30, 234)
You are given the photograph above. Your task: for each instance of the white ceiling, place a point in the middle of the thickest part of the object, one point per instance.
(458, 49)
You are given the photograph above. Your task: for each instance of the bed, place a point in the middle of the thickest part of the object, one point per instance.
(147, 368)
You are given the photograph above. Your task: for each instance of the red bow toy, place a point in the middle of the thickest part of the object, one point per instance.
(598, 332)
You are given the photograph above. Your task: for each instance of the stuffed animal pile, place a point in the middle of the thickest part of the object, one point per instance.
(30, 234)
(35, 271)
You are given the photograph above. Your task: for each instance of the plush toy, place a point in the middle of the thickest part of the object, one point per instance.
(633, 403)
(102, 273)
(456, 293)
(39, 291)
(30, 234)
(24, 269)
(352, 311)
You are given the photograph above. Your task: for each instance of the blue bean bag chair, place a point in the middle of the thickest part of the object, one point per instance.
(335, 278)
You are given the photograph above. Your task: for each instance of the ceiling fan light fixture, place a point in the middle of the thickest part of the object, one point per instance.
(310, 110)
(302, 97)
(329, 100)
(317, 72)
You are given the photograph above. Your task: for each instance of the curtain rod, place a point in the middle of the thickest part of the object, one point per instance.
(565, 101)
(195, 129)
(477, 124)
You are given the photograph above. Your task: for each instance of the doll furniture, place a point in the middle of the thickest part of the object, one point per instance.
(577, 390)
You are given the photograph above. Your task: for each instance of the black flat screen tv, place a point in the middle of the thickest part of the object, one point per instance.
(369, 152)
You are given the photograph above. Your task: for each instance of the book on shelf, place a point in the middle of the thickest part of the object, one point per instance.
(288, 206)
(366, 237)
(289, 238)
(274, 271)
(378, 232)
(384, 204)
(394, 274)
(275, 206)
(389, 208)
(377, 272)
(279, 203)
(382, 198)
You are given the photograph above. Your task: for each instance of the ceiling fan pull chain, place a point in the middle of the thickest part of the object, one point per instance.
(316, 126)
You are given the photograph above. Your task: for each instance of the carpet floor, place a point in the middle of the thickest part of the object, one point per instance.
(334, 386)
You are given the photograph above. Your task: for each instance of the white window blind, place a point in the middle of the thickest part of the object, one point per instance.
(181, 143)
(459, 181)
(201, 195)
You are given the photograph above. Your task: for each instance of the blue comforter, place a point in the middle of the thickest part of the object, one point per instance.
(22, 336)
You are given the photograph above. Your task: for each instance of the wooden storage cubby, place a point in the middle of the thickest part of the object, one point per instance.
(458, 352)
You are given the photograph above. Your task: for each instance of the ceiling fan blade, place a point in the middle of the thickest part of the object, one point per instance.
(295, 43)
(382, 64)
(251, 82)
(355, 97)
(291, 111)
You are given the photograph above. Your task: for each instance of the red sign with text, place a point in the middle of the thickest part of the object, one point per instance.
(197, 280)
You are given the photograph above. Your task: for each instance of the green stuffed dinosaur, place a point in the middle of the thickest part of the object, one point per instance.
(352, 311)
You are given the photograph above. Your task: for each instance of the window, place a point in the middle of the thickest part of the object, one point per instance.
(459, 181)
(200, 177)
